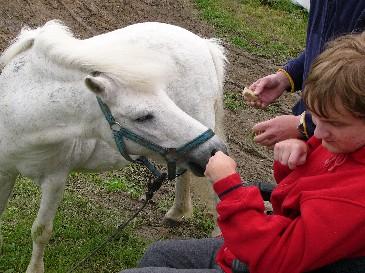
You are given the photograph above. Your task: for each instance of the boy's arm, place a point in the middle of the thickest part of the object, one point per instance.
(307, 238)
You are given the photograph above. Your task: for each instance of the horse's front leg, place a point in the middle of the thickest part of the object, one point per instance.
(52, 187)
(202, 188)
(7, 181)
(182, 207)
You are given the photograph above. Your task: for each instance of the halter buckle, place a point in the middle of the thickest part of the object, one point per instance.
(115, 126)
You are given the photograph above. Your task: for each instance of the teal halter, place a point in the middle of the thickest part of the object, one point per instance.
(171, 155)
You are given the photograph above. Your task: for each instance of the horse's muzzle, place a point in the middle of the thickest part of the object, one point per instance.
(198, 165)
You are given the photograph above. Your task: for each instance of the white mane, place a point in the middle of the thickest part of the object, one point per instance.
(128, 63)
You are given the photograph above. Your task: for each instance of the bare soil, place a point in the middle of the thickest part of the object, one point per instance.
(91, 17)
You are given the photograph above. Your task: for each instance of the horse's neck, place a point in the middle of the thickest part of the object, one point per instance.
(50, 69)
(62, 90)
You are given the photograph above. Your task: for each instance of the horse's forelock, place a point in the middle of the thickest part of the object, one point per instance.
(133, 69)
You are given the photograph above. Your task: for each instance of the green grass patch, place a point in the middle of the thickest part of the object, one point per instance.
(274, 29)
(80, 226)
(129, 180)
(201, 221)
(233, 101)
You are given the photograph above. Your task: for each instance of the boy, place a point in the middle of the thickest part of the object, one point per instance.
(319, 203)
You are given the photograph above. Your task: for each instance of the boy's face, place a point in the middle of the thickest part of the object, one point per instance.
(341, 132)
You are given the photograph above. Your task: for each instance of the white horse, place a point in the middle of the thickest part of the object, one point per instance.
(303, 3)
(160, 81)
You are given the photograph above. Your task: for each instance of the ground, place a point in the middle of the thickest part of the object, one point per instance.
(90, 17)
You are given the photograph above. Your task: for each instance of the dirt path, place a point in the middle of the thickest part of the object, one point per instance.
(90, 17)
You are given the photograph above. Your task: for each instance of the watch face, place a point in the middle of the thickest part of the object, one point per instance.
(301, 131)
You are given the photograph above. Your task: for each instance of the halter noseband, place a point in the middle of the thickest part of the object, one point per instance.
(169, 154)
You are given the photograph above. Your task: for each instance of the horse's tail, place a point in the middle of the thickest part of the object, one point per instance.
(26, 39)
(218, 54)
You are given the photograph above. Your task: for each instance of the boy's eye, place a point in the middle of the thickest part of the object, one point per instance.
(336, 124)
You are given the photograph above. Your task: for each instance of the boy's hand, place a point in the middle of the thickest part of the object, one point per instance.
(291, 152)
(220, 166)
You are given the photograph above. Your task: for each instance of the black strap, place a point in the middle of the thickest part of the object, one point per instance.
(229, 190)
(266, 190)
(239, 267)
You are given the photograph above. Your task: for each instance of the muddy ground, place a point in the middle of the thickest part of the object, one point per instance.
(91, 17)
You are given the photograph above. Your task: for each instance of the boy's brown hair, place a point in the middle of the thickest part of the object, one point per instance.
(338, 76)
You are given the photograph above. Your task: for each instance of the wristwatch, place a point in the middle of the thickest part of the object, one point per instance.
(302, 128)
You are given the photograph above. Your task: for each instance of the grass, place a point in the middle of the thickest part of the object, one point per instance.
(82, 224)
(233, 101)
(275, 30)
(270, 29)
(80, 227)
(116, 181)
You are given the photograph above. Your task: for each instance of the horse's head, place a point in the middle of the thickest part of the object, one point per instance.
(147, 112)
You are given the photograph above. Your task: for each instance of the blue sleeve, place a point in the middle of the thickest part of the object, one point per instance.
(360, 24)
(295, 68)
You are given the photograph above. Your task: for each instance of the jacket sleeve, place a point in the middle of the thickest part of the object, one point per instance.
(276, 243)
(295, 68)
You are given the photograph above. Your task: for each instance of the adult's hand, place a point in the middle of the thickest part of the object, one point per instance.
(220, 166)
(291, 152)
(268, 89)
(277, 129)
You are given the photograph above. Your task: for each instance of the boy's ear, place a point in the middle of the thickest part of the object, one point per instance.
(96, 84)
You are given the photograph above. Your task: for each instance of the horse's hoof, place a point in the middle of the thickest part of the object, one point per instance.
(171, 222)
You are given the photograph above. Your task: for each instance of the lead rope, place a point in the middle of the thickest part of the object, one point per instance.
(152, 187)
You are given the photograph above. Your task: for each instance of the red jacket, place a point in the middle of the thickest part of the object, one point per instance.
(319, 215)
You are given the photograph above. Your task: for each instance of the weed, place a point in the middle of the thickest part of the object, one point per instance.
(233, 101)
(202, 220)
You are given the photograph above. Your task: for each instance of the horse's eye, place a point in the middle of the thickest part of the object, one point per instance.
(144, 118)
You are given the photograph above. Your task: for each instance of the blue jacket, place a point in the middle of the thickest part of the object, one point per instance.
(328, 19)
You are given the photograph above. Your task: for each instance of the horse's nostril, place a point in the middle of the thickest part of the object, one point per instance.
(214, 151)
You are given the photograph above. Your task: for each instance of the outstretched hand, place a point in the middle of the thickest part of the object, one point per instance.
(220, 166)
(268, 89)
(291, 152)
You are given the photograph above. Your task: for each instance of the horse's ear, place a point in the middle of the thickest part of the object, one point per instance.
(95, 84)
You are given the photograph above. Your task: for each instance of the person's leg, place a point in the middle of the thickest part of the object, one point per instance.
(183, 254)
